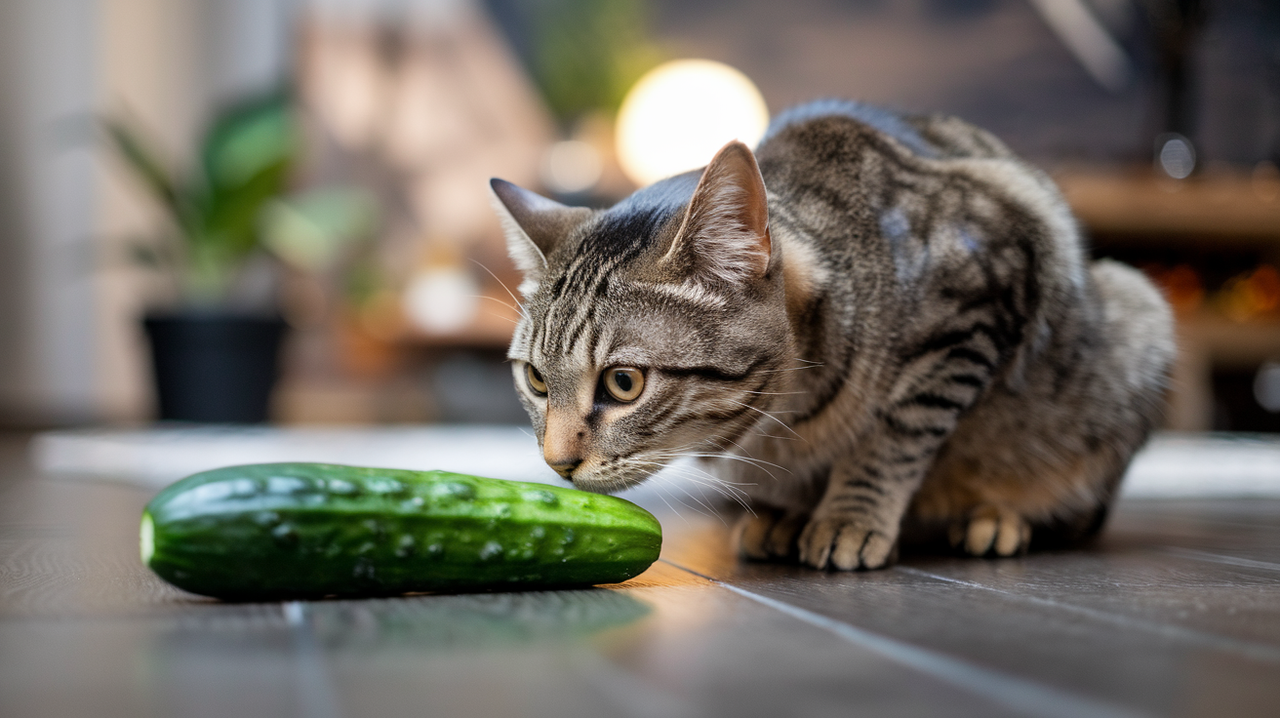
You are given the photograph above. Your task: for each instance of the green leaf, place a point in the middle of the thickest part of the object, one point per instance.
(144, 161)
(249, 139)
(231, 212)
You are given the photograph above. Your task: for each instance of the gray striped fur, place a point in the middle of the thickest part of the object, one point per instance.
(917, 342)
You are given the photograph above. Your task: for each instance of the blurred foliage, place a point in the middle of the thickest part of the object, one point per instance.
(310, 230)
(364, 281)
(244, 162)
(234, 202)
(586, 54)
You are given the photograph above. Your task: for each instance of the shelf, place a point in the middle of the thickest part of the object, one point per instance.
(1228, 343)
(1140, 204)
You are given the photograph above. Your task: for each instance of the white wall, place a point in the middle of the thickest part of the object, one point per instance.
(69, 348)
(49, 53)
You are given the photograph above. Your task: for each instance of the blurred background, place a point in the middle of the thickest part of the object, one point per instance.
(296, 189)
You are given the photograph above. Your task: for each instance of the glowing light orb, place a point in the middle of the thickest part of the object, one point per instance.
(680, 113)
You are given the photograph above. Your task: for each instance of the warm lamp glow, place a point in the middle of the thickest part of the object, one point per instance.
(680, 113)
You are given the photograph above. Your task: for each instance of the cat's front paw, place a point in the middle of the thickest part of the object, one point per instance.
(846, 544)
(991, 530)
(770, 534)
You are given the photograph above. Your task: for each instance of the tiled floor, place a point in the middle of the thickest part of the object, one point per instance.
(1175, 612)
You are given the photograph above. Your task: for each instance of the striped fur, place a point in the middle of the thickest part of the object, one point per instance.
(905, 336)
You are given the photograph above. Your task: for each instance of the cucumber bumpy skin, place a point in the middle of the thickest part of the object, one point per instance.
(299, 530)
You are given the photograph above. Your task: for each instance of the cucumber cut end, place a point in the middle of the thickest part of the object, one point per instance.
(147, 539)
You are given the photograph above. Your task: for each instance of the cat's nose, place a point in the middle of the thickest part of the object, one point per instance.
(565, 467)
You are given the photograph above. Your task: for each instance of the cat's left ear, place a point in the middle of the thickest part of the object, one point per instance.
(725, 232)
(534, 225)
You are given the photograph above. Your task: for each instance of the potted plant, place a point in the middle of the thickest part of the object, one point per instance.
(216, 351)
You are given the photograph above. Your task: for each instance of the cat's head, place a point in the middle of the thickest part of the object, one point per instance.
(651, 329)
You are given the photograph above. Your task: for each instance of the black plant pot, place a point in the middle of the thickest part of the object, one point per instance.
(214, 367)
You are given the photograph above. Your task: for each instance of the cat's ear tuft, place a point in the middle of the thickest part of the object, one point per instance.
(533, 225)
(725, 232)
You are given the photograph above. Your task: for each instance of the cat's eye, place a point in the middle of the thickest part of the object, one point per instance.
(536, 382)
(624, 383)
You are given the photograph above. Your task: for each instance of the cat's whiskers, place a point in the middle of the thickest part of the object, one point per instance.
(702, 502)
(688, 481)
(660, 491)
(723, 453)
(497, 300)
(687, 506)
(743, 500)
(659, 486)
(684, 454)
(519, 305)
(762, 412)
(667, 456)
(741, 497)
(727, 489)
(717, 437)
(735, 486)
(757, 463)
(631, 479)
(499, 316)
(813, 365)
(764, 434)
(700, 486)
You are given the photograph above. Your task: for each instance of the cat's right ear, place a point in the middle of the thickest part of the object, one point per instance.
(533, 225)
(724, 236)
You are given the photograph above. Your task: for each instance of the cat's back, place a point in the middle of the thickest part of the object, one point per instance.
(903, 221)
(930, 194)
(934, 137)
(875, 153)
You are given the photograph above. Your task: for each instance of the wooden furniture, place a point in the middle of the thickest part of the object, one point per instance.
(1134, 210)
(1215, 206)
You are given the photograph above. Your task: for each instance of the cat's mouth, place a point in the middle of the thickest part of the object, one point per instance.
(613, 477)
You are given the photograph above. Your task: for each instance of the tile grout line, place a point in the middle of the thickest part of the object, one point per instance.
(1020, 694)
(1254, 651)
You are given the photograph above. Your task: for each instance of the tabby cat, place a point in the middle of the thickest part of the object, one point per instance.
(881, 322)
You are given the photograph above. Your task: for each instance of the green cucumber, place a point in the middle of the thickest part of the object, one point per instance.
(298, 530)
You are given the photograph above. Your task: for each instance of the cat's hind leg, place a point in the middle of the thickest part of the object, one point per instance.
(1049, 455)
